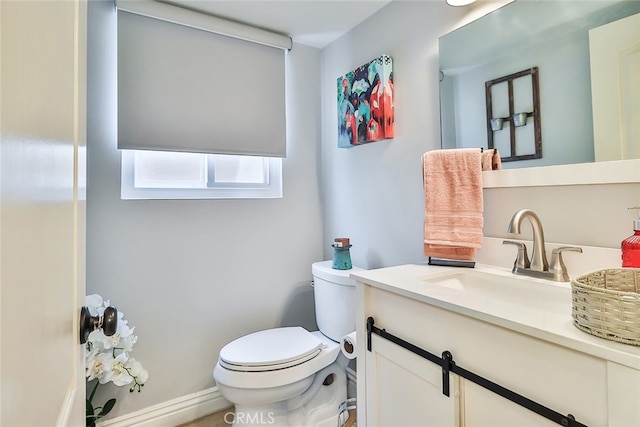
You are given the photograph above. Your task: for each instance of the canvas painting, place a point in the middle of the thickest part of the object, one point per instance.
(365, 103)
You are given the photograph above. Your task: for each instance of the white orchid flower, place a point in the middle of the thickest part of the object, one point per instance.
(123, 329)
(107, 358)
(95, 305)
(116, 371)
(100, 341)
(98, 366)
(137, 371)
(126, 343)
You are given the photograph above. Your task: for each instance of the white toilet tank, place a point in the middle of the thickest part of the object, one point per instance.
(334, 294)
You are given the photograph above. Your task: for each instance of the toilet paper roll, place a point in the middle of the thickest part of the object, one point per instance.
(348, 345)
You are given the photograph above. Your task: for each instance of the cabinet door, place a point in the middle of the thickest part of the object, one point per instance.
(483, 408)
(404, 389)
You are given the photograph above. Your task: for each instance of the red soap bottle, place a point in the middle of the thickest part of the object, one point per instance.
(631, 245)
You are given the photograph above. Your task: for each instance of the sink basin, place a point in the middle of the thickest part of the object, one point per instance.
(507, 290)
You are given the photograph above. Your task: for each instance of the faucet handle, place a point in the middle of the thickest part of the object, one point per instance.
(522, 259)
(557, 266)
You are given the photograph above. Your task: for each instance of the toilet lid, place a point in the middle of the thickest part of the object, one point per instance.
(270, 350)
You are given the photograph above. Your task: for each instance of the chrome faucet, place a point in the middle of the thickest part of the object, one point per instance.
(539, 256)
(538, 266)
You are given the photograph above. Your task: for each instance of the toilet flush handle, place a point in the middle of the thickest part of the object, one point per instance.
(108, 322)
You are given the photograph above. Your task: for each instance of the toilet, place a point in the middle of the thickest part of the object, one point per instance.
(289, 376)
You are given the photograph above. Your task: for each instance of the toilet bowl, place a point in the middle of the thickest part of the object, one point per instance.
(289, 376)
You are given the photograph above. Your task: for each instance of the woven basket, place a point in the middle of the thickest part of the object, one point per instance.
(606, 303)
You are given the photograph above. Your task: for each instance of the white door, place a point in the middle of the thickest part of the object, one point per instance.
(614, 50)
(42, 214)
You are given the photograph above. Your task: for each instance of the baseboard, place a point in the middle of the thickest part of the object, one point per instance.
(173, 412)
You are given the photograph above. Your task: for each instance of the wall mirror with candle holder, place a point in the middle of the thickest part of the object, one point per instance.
(552, 35)
(513, 99)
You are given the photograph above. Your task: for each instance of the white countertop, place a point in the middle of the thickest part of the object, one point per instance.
(548, 317)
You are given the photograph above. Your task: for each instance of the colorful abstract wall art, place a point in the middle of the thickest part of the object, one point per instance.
(365, 103)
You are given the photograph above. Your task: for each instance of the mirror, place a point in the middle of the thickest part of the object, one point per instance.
(550, 35)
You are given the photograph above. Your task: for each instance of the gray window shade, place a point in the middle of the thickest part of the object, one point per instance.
(185, 89)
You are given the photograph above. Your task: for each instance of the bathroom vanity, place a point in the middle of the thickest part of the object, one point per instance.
(497, 331)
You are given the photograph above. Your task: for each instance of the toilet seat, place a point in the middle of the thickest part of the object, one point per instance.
(266, 379)
(270, 350)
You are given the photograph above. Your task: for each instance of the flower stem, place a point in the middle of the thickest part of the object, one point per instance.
(93, 392)
(136, 384)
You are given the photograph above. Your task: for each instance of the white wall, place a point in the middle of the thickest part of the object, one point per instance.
(193, 275)
(588, 215)
(373, 193)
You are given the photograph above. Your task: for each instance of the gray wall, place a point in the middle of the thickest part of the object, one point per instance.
(373, 193)
(193, 275)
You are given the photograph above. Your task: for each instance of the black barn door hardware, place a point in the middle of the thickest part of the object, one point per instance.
(448, 365)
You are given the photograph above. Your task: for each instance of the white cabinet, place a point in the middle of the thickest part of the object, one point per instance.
(484, 408)
(399, 388)
(404, 390)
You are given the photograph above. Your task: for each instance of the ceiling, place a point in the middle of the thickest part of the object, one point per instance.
(310, 22)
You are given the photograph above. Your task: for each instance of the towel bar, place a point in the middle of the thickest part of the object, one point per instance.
(451, 262)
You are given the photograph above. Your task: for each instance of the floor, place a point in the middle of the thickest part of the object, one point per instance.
(214, 420)
(219, 420)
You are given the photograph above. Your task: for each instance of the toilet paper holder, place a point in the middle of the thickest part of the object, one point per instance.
(348, 345)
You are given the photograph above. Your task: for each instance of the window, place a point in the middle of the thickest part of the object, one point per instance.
(176, 175)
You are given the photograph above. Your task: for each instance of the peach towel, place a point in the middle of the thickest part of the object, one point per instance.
(491, 160)
(453, 203)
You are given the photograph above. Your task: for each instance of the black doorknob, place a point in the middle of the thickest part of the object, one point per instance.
(88, 323)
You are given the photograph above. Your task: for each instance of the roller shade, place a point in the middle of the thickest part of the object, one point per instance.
(185, 88)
